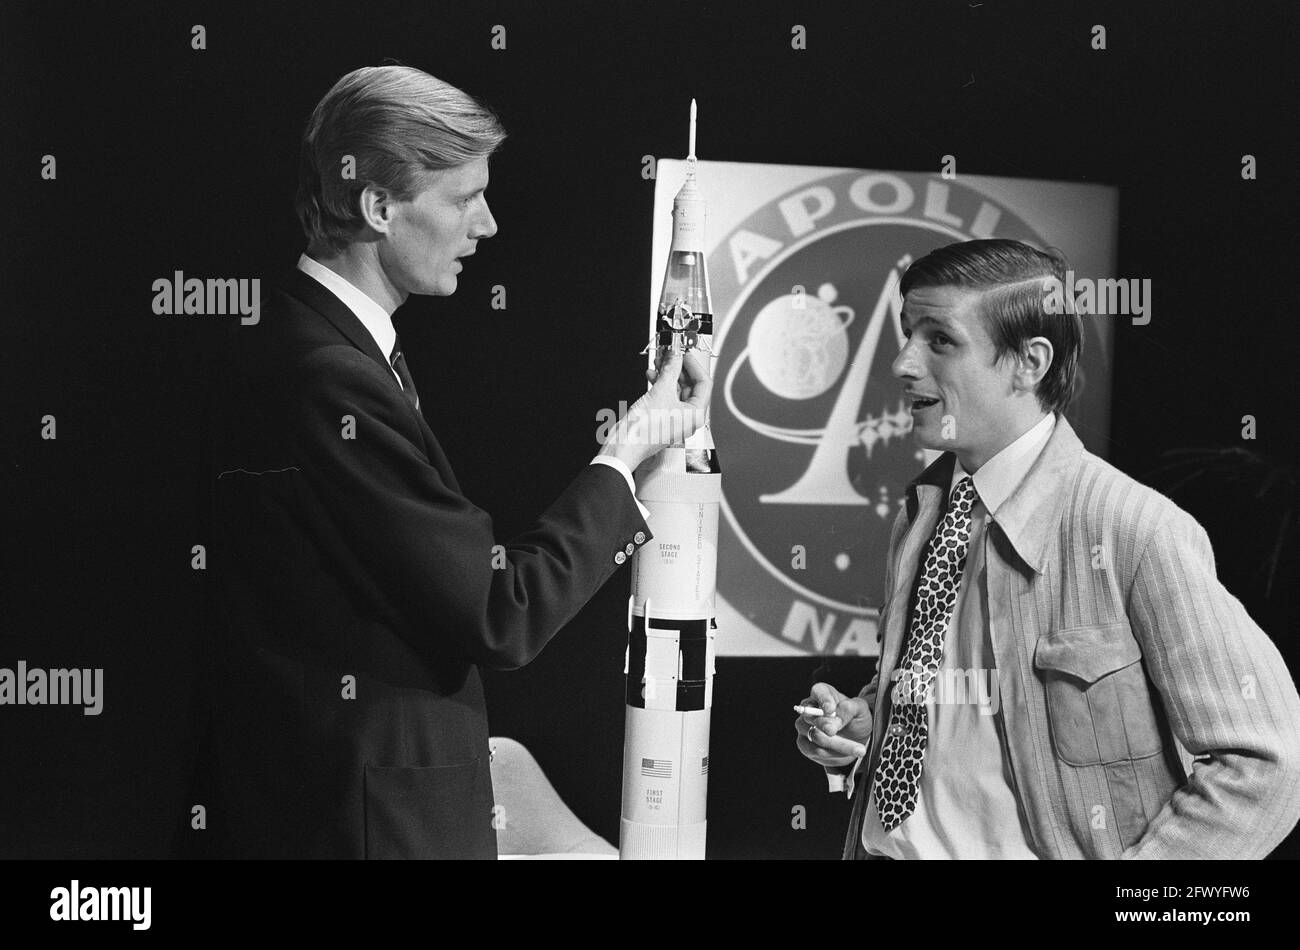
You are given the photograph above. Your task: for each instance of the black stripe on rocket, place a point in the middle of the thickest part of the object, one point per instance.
(692, 647)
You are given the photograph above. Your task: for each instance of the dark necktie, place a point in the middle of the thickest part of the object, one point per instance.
(404, 374)
(898, 776)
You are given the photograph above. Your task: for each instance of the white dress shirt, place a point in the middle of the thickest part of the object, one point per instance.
(966, 807)
(379, 323)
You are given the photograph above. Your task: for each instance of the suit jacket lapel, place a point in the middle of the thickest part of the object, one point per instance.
(336, 312)
(925, 501)
(312, 294)
(926, 495)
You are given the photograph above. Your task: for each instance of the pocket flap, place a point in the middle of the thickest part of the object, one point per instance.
(430, 812)
(1088, 653)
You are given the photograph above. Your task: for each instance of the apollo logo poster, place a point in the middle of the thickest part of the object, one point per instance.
(813, 435)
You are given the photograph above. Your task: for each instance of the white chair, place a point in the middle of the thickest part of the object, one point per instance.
(532, 819)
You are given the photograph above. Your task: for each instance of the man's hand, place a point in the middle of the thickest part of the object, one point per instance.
(670, 411)
(840, 736)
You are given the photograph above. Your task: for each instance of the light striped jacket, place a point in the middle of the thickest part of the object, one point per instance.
(1143, 713)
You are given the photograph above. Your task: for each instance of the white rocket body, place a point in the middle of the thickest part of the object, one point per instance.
(670, 658)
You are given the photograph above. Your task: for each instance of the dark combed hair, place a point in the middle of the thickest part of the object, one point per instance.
(1013, 278)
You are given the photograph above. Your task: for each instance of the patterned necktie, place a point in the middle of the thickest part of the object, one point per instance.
(898, 776)
(404, 374)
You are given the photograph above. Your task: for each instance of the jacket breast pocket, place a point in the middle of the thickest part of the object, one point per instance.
(1098, 700)
(442, 812)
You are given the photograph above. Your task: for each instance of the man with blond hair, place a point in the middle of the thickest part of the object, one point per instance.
(361, 588)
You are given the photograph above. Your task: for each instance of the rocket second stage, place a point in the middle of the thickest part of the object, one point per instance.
(671, 626)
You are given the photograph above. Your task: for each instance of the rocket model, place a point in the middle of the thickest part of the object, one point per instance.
(671, 622)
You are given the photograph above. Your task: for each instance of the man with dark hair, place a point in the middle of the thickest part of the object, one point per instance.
(361, 590)
(1061, 673)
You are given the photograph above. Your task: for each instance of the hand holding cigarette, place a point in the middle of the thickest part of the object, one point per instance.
(832, 729)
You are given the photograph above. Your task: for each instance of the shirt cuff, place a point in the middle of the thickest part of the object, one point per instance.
(843, 778)
(621, 467)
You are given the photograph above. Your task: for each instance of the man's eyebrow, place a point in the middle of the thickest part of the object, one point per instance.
(905, 319)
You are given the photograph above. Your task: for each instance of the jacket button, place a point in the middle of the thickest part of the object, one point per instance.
(639, 537)
(620, 557)
(630, 548)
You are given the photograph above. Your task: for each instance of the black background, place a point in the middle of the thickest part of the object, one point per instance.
(175, 159)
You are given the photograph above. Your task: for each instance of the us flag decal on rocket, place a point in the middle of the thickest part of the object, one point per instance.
(657, 768)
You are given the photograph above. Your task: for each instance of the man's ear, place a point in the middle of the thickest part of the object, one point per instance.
(376, 208)
(1033, 363)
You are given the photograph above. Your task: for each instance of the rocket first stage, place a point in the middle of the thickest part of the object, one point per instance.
(671, 624)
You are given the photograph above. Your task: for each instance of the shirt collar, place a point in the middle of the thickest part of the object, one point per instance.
(997, 478)
(1031, 515)
(372, 316)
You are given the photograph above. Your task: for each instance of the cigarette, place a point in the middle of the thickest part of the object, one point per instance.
(809, 711)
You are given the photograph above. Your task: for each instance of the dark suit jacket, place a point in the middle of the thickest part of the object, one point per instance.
(358, 597)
